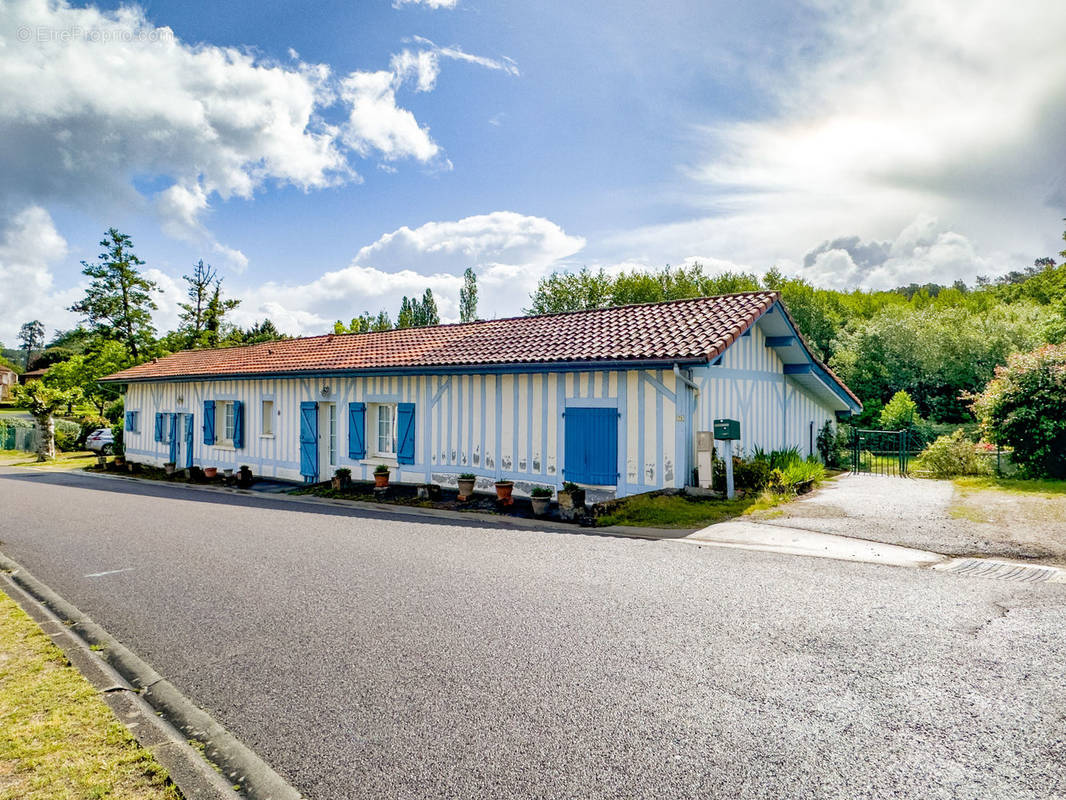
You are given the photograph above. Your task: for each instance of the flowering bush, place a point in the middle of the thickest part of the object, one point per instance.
(1024, 407)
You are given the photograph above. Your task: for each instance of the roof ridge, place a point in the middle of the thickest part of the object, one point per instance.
(475, 322)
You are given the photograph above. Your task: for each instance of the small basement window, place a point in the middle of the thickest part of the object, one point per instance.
(266, 425)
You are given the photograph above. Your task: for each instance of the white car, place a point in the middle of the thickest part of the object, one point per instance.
(101, 441)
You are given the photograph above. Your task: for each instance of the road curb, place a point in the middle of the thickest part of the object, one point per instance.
(241, 766)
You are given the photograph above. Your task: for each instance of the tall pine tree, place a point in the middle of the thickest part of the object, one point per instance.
(468, 297)
(118, 303)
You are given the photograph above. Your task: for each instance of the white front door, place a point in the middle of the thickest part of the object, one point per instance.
(327, 440)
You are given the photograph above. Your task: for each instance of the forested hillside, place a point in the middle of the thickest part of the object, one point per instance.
(938, 343)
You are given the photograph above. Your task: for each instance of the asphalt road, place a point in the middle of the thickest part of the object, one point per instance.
(368, 657)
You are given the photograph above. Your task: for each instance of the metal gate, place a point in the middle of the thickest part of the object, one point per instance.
(882, 452)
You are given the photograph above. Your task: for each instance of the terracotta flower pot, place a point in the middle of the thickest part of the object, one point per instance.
(210, 472)
(466, 488)
(503, 492)
(381, 480)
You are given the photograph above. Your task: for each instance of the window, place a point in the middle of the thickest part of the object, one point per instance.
(266, 427)
(333, 434)
(229, 423)
(385, 428)
(131, 421)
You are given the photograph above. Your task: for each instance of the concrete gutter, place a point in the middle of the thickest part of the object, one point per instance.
(798, 542)
(142, 692)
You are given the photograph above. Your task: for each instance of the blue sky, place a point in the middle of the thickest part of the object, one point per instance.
(329, 158)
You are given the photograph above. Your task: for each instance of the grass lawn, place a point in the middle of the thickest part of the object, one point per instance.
(73, 460)
(1013, 485)
(58, 740)
(681, 511)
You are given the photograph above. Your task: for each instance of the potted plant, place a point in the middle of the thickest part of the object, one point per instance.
(210, 472)
(540, 497)
(503, 492)
(381, 476)
(169, 467)
(466, 485)
(342, 478)
(571, 500)
(227, 471)
(244, 476)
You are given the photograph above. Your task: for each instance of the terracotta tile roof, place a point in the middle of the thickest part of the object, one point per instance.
(695, 330)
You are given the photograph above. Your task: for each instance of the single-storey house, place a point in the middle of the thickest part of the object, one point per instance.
(610, 398)
(33, 375)
(8, 380)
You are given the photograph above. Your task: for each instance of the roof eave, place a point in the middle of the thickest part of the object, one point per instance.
(444, 369)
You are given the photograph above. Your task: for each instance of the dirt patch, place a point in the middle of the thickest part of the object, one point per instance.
(936, 515)
(1015, 524)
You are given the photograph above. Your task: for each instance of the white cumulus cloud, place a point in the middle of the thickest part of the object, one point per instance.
(30, 246)
(908, 110)
(508, 251)
(98, 103)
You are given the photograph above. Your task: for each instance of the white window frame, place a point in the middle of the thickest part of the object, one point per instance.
(229, 423)
(266, 419)
(331, 434)
(375, 432)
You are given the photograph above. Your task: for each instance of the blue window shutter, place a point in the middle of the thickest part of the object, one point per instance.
(238, 424)
(172, 438)
(309, 441)
(129, 420)
(159, 426)
(209, 421)
(135, 419)
(188, 441)
(357, 430)
(405, 433)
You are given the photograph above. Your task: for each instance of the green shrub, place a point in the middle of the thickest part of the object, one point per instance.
(66, 434)
(540, 491)
(115, 411)
(118, 431)
(900, 413)
(802, 471)
(1024, 407)
(950, 456)
(833, 445)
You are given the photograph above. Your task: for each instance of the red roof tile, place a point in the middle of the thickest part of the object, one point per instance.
(695, 330)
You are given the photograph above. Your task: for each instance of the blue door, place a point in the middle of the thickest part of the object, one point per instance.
(309, 442)
(174, 440)
(590, 450)
(188, 441)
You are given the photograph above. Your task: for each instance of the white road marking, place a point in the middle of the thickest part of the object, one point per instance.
(108, 572)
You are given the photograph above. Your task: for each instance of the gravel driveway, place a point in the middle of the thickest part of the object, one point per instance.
(932, 515)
